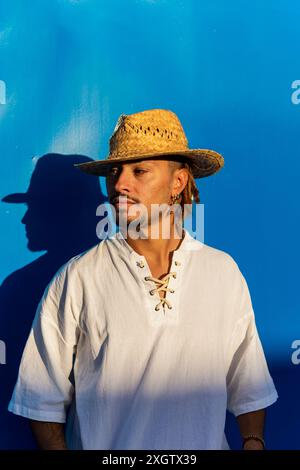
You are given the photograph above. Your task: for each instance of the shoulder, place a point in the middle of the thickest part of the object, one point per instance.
(226, 280)
(213, 258)
(218, 269)
(221, 259)
(94, 261)
(77, 267)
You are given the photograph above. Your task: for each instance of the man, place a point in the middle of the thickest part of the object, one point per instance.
(144, 342)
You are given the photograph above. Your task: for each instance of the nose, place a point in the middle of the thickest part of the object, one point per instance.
(25, 216)
(123, 184)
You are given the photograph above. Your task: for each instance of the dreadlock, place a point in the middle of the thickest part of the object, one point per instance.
(190, 193)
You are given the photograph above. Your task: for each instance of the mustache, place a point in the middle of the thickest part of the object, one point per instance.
(115, 198)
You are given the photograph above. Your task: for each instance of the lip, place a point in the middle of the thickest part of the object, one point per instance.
(123, 203)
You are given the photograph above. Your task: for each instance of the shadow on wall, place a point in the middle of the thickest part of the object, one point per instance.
(61, 220)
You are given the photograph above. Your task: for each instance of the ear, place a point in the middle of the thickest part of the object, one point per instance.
(180, 179)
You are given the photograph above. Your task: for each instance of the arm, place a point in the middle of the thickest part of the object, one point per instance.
(249, 384)
(49, 436)
(46, 384)
(252, 423)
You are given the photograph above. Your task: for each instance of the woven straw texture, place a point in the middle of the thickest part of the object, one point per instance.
(154, 133)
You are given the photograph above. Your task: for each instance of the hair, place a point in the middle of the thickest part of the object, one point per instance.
(190, 193)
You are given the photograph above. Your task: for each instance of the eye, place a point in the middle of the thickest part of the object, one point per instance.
(139, 171)
(114, 170)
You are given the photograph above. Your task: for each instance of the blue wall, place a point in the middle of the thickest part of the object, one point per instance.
(229, 70)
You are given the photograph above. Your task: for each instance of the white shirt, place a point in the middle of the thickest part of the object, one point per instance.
(144, 378)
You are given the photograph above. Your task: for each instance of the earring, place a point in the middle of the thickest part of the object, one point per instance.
(175, 198)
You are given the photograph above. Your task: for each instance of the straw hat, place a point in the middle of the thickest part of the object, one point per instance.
(150, 134)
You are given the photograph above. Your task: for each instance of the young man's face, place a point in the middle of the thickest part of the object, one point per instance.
(146, 182)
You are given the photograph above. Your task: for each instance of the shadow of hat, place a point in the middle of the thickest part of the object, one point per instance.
(55, 178)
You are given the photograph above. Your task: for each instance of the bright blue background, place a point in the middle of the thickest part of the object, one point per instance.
(226, 68)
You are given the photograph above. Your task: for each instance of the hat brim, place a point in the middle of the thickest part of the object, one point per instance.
(203, 162)
(15, 198)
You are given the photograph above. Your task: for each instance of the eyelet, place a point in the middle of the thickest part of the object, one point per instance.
(156, 309)
(170, 307)
(151, 292)
(172, 291)
(177, 263)
(174, 276)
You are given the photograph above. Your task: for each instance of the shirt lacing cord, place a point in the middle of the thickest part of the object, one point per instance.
(161, 287)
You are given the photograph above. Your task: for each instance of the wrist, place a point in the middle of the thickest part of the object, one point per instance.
(253, 442)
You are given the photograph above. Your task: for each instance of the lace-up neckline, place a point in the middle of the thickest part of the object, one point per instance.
(162, 286)
(166, 286)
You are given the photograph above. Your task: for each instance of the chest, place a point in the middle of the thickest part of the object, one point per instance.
(159, 272)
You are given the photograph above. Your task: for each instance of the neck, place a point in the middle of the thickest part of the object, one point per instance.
(157, 250)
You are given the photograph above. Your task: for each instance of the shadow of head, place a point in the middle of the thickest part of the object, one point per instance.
(61, 203)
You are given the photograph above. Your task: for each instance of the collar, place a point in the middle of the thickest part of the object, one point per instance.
(188, 244)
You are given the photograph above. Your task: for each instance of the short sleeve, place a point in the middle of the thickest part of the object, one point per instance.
(249, 384)
(44, 387)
